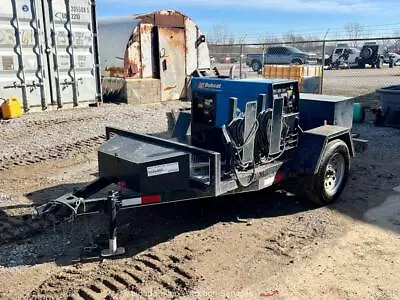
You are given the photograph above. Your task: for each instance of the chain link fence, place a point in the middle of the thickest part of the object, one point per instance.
(354, 67)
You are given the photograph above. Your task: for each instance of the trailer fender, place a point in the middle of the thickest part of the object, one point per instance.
(312, 144)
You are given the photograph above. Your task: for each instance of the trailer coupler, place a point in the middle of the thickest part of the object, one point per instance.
(70, 206)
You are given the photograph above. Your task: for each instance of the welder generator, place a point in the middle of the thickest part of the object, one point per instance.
(245, 135)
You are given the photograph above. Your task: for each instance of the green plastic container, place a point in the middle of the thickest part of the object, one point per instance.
(358, 113)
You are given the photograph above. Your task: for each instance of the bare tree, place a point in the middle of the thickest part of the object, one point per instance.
(268, 39)
(222, 35)
(354, 31)
(292, 37)
(396, 42)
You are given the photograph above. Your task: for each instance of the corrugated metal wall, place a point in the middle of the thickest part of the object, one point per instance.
(48, 52)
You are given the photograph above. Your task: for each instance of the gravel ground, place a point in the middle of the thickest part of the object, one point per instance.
(283, 247)
(74, 130)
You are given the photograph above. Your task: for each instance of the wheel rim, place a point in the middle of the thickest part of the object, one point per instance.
(334, 174)
(256, 66)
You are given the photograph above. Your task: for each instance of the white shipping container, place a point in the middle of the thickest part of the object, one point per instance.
(48, 52)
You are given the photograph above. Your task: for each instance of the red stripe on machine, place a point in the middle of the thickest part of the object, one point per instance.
(280, 176)
(151, 199)
(141, 200)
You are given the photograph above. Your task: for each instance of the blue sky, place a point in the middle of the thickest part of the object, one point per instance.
(253, 18)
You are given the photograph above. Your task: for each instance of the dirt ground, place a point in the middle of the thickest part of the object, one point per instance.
(267, 245)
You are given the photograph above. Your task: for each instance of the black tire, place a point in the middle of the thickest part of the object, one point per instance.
(391, 64)
(297, 62)
(366, 53)
(315, 186)
(361, 65)
(379, 63)
(256, 65)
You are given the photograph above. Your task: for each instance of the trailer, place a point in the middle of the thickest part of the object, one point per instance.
(245, 136)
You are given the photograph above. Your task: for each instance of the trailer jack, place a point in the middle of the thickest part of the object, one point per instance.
(112, 208)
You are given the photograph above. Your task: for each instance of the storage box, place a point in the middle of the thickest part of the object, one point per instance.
(315, 110)
(144, 167)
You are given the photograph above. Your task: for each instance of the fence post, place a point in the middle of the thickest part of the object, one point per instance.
(240, 61)
(322, 70)
(263, 59)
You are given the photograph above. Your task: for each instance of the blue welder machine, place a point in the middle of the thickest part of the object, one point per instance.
(219, 103)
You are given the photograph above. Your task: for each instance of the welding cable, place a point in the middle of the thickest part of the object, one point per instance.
(250, 181)
(262, 137)
(236, 134)
(283, 138)
(236, 128)
(298, 125)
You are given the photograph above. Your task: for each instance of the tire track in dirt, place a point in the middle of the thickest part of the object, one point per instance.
(62, 151)
(31, 127)
(43, 124)
(301, 233)
(150, 275)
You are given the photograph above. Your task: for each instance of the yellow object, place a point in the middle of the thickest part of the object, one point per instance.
(11, 108)
(291, 71)
(294, 72)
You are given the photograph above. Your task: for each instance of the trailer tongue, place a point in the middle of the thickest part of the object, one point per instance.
(245, 136)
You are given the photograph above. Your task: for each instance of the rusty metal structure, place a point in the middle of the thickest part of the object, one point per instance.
(161, 51)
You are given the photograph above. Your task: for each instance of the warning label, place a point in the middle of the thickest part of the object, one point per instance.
(163, 169)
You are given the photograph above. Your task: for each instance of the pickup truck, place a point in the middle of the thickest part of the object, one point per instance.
(280, 55)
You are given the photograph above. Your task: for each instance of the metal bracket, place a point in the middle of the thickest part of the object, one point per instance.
(248, 135)
(200, 40)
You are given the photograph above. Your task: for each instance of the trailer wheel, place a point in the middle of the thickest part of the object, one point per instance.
(326, 186)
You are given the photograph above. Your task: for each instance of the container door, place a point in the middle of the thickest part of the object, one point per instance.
(22, 71)
(172, 62)
(71, 44)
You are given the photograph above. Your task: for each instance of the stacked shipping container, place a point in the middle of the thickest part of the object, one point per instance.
(48, 52)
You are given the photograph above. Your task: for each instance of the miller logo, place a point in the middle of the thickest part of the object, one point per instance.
(206, 85)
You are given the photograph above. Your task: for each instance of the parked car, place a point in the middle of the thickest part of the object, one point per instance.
(229, 59)
(345, 57)
(226, 59)
(280, 55)
(371, 54)
(391, 56)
